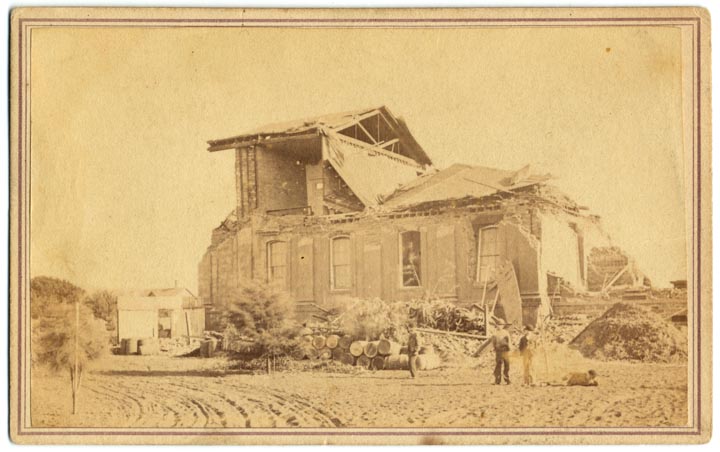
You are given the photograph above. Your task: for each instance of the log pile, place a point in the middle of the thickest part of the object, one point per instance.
(381, 354)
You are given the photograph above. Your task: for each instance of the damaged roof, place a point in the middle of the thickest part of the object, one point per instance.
(310, 127)
(461, 181)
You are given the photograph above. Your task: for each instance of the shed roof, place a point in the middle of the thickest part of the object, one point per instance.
(151, 299)
(461, 181)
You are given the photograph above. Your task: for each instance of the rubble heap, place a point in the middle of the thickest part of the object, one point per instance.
(631, 332)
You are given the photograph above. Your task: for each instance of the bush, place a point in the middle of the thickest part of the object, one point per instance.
(104, 306)
(263, 314)
(63, 343)
(47, 292)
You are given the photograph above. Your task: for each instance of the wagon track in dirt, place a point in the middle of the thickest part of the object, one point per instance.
(194, 402)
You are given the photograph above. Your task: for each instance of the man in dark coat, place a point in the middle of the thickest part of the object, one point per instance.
(501, 344)
(413, 348)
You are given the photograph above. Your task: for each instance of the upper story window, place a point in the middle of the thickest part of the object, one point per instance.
(487, 254)
(410, 259)
(340, 276)
(277, 263)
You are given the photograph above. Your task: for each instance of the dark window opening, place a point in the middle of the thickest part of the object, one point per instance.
(411, 262)
(488, 256)
(164, 323)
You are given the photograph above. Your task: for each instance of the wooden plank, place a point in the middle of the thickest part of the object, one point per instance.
(451, 333)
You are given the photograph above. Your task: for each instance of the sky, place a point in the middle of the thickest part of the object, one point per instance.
(125, 195)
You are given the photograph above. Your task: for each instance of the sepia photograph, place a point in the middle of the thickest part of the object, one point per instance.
(399, 226)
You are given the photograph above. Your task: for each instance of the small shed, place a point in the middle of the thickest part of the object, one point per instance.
(161, 313)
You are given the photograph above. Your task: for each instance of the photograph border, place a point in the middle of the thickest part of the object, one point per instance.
(24, 20)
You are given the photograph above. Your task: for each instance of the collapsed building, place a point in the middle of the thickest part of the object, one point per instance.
(349, 205)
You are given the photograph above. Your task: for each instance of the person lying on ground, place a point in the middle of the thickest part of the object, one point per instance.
(581, 378)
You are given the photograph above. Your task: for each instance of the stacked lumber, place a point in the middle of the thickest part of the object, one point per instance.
(381, 354)
(319, 346)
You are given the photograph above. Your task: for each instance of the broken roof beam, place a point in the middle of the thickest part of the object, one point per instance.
(379, 150)
(356, 120)
(221, 145)
(387, 143)
(369, 135)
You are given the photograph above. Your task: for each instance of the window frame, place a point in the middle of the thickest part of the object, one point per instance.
(349, 264)
(269, 262)
(401, 272)
(479, 255)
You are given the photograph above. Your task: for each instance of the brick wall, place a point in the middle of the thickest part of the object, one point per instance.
(281, 181)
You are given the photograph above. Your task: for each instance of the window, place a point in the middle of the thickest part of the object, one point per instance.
(164, 323)
(488, 256)
(277, 263)
(411, 271)
(340, 263)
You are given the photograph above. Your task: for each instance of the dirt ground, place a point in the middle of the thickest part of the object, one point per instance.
(195, 392)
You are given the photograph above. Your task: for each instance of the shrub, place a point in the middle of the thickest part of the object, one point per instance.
(47, 292)
(373, 318)
(104, 306)
(66, 342)
(263, 314)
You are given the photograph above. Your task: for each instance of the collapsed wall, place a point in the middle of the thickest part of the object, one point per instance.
(609, 265)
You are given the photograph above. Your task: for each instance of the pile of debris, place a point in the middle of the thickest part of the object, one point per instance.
(178, 346)
(563, 329)
(631, 332)
(454, 351)
(447, 316)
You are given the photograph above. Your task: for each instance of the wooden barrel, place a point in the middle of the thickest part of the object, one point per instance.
(428, 361)
(386, 347)
(344, 342)
(325, 353)
(206, 349)
(371, 349)
(147, 341)
(312, 353)
(427, 350)
(347, 358)
(357, 348)
(332, 341)
(378, 363)
(148, 348)
(337, 352)
(307, 339)
(319, 342)
(298, 353)
(363, 361)
(124, 346)
(397, 362)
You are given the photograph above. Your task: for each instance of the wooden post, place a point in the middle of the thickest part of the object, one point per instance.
(75, 380)
(187, 326)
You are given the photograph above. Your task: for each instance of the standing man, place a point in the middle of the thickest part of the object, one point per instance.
(527, 346)
(501, 343)
(413, 348)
